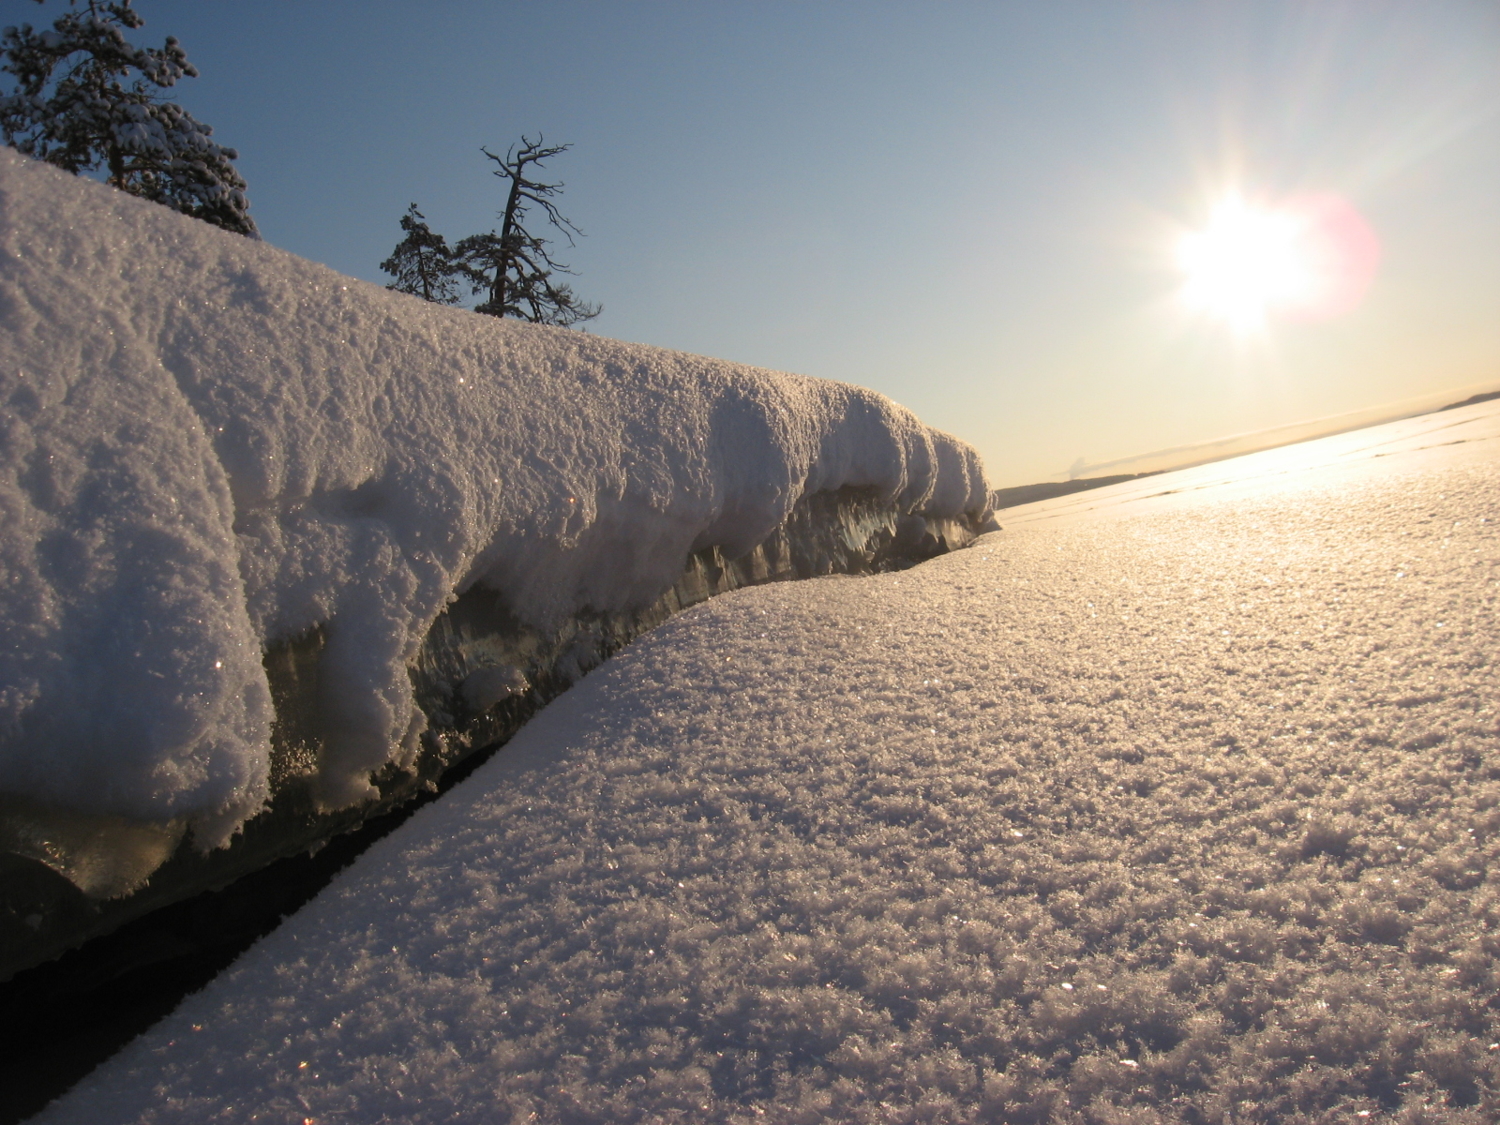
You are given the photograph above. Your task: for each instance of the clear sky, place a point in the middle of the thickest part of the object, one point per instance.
(973, 208)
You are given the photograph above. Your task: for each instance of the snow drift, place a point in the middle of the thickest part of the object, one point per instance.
(1178, 802)
(211, 447)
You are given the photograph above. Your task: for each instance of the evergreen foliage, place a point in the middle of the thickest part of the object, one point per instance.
(507, 271)
(76, 105)
(422, 263)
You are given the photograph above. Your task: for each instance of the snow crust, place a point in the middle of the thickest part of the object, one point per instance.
(1177, 802)
(210, 445)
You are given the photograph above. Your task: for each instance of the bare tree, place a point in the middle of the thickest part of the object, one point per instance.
(514, 267)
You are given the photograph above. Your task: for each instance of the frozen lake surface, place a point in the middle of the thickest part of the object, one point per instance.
(1173, 801)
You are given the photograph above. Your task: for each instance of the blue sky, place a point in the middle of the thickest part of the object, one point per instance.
(969, 207)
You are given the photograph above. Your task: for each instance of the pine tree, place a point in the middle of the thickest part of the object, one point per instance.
(422, 263)
(76, 106)
(513, 268)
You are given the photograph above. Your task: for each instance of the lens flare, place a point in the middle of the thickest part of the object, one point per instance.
(1309, 258)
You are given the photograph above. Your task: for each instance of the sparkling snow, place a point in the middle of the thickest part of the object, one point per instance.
(208, 445)
(1178, 801)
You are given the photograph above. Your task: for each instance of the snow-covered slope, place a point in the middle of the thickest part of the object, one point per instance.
(210, 446)
(1176, 804)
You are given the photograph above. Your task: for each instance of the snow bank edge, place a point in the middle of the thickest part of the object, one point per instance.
(213, 447)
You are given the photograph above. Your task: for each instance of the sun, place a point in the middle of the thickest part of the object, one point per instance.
(1242, 263)
(1308, 258)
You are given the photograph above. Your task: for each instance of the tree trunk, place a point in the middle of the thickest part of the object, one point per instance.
(424, 271)
(502, 266)
(116, 161)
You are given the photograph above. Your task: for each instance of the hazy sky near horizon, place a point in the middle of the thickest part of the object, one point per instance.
(970, 207)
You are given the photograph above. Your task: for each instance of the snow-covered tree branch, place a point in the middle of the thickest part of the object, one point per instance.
(76, 105)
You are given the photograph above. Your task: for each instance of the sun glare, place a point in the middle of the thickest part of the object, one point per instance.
(1308, 259)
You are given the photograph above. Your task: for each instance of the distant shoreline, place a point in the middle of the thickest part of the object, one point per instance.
(1020, 494)
(1016, 495)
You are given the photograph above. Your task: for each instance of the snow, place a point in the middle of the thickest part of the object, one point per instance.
(211, 445)
(1174, 801)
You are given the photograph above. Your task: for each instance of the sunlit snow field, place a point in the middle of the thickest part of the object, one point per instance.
(1175, 801)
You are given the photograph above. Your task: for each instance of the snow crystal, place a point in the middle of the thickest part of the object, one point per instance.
(211, 445)
(1195, 804)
